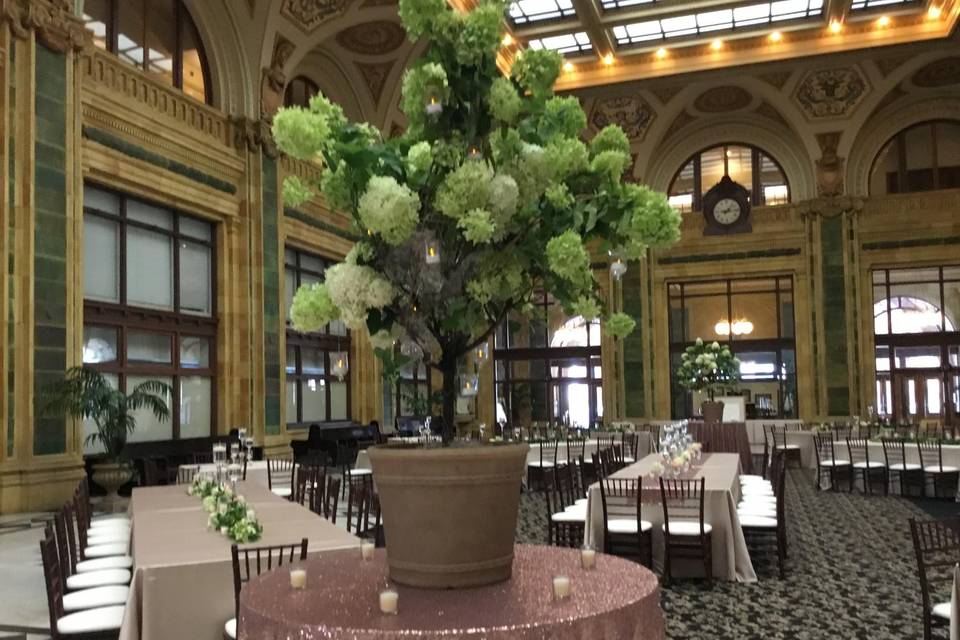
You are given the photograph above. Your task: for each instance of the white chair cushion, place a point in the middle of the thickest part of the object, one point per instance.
(569, 516)
(538, 463)
(102, 619)
(96, 597)
(873, 464)
(942, 469)
(761, 501)
(904, 466)
(108, 538)
(769, 511)
(758, 522)
(582, 502)
(628, 460)
(108, 531)
(359, 472)
(231, 628)
(752, 478)
(751, 490)
(103, 578)
(110, 525)
(627, 525)
(941, 610)
(687, 528)
(109, 519)
(789, 446)
(103, 550)
(283, 492)
(108, 562)
(839, 462)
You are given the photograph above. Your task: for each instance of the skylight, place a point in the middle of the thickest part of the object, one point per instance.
(527, 11)
(620, 4)
(567, 43)
(720, 20)
(870, 4)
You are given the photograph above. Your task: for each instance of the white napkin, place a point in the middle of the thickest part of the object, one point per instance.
(955, 605)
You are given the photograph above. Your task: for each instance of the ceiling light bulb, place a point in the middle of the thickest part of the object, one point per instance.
(507, 40)
(776, 36)
(883, 21)
(933, 13)
(716, 45)
(661, 53)
(608, 59)
(836, 26)
(568, 66)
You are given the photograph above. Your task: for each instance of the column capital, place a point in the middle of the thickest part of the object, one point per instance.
(54, 22)
(829, 207)
(253, 135)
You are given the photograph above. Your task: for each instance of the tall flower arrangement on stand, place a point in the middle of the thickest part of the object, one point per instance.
(489, 195)
(708, 367)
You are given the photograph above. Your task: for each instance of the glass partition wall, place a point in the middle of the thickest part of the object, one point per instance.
(754, 316)
(917, 343)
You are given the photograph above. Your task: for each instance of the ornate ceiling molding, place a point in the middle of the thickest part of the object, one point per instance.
(631, 112)
(939, 73)
(310, 14)
(831, 93)
(723, 99)
(375, 38)
(54, 22)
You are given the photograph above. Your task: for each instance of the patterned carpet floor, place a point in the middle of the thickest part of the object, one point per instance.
(851, 573)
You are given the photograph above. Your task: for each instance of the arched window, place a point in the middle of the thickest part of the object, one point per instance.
(158, 36)
(749, 166)
(923, 157)
(299, 91)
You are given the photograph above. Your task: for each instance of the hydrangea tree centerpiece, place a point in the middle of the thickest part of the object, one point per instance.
(708, 367)
(489, 195)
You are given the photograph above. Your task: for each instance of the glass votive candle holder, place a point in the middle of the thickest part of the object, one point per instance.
(298, 578)
(561, 587)
(366, 550)
(588, 557)
(389, 602)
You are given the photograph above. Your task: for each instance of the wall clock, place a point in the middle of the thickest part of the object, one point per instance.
(726, 207)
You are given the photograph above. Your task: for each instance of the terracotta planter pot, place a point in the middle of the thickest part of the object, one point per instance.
(712, 411)
(449, 514)
(110, 476)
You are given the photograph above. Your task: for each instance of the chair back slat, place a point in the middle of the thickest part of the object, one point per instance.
(858, 449)
(309, 480)
(936, 544)
(332, 499)
(187, 472)
(68, 564)
(280, 553)
(931, 454)
(280, 470)
(894, 451)
(53, 579)
(683, 499)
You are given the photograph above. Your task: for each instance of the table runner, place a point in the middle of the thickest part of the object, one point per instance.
(721, 471)
(618, 600)
(725, 437)
(183, 578)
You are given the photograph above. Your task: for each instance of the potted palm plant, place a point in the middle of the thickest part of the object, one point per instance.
(489, 197)
(708, 367)
(84, 394)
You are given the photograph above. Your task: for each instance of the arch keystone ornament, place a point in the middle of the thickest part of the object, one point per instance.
(831, 93)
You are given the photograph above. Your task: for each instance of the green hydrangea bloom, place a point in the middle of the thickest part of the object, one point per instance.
(568, 259)
(299, 132)
(536, 70)
(466, 187)
(447, 154)
(653, 221)
(421, 82)
(312, 308)
(336, 188)
(360, 253)
(619, 325)
(505, 146)
(587, 307)
(611, 164)
(503, 102)
(329, 111)
(559, 196)
(389, 209)
(532, 173)
(477, 226)
(504, 195)
(420, 16)
(565, 157)
(500, 276)
(610, 138)
(562, 117)
(419, 159)
(480, 36)
(635, 249)
(295, 191)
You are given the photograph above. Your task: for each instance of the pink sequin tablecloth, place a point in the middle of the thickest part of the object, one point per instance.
(618, 600)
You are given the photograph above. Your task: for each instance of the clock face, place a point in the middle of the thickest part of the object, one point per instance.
(727, 211)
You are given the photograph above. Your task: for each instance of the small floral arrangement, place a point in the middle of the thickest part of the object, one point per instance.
(656, 470)
(708, 367)
(229, 513)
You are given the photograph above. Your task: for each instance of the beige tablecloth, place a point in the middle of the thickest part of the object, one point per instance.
(256, 472)
(183, 578)
(731, 559)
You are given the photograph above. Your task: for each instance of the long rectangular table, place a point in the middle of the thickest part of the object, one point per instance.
(721, 471)
(183, 578)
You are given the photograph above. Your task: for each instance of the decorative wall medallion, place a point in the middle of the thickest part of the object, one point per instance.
(309, 14)
(939, 73)
(375, 76)
(372, 38)
(831, 93)
(723, 99)
(632, 113)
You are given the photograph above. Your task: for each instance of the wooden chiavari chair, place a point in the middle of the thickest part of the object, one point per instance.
(545, 460)
(625, 532)
(685, 533)
(936, 544)
(827, 461)
(906, 473)
(760, 529)
(280, 475)
(565, 523)
(72, 579)
(331, 500)
(863, 466)
(780, 445)
(308, 480)
(187, 472)
(933, 469)
(250, 562)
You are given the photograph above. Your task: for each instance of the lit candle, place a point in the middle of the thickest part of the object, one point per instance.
(389, 600)
(431, 253)
(366, 550)
(561, 587)
(474, 153)
(588, 558)
(298, 578)
(434, 108)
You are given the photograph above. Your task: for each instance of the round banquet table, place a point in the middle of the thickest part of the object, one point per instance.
(617, 600)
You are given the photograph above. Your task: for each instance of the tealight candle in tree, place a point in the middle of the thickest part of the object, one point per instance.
(474, 153)
(298, 578)
(561, 587)
(431, 252)
(389, 601)
(434, 107)
(481, 352)
(366, 550)
(588, 558)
